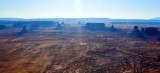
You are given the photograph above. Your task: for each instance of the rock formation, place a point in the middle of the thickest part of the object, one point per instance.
(24, 30)
(34, 27)
(151, 31)
(95, 26)
(136, 32)
(59, 27)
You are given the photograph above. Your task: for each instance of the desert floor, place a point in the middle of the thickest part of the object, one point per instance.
(76, 50)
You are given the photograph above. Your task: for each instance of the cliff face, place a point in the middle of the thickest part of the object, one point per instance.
(95, 26)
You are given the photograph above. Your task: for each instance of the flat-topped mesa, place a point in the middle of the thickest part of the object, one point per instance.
(38, 23)
(95, 26)
(20, 24)
(151, 31)
(34, 27)
(43, 23)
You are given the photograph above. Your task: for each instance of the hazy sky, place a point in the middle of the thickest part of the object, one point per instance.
(141, 9)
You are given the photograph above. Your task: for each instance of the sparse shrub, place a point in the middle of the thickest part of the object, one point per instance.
(159, 38)
(142, 61)
(158, 57)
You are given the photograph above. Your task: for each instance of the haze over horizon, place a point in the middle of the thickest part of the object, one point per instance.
(116, 9)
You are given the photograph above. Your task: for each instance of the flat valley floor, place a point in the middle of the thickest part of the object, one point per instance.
(76, 50)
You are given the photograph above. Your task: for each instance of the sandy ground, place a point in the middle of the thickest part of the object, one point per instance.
(76, 51)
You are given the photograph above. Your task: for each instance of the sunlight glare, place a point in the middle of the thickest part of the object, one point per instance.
(78, 12)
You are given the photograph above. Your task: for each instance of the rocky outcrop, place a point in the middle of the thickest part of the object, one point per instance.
(59, 27)
(136, 32)
(151, 31)
(24, 30)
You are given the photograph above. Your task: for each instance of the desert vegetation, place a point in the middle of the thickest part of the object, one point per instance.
(75, 49)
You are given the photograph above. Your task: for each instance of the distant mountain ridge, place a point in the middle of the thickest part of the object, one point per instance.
(82, 19)
(54, 19)
(11, 19)
(85, 20)
(157, 18)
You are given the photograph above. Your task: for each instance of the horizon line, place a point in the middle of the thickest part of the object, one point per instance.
(72, 17)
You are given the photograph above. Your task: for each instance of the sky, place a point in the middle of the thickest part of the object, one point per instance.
(116, 9)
